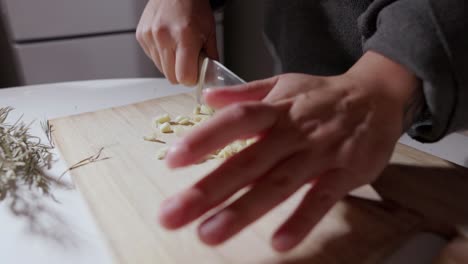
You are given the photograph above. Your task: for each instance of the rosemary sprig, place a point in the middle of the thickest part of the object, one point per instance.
(94, 158)
(24, 161)
(48, 129)
(23, 158)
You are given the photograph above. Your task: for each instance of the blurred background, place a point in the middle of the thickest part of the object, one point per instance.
(44, 41)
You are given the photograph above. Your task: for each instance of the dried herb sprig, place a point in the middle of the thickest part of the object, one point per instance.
(94, 158)
(23, 158)
(24, 161)
(48, 129)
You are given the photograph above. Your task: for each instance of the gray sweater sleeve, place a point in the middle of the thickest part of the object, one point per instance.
(430, 38)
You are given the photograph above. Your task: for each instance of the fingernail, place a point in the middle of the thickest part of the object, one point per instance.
(213, 231)
(283, 242)
(169, 206)
(168, 213)
(176, 154)
(178, 148)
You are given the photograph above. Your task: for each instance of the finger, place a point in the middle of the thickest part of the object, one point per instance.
(253, 91)
(327, 190)
(224, 127)
(140, 36)
(145, 35)
(211, 47)
(143, 32)
(165, 47)
(272, 189)
(153, 52)
(168, 64)
(156, 59)
(234, 174)
(187, 64)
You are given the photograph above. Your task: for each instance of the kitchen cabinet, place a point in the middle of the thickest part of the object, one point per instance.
(66, 40)
(45, 19)
(101, 57)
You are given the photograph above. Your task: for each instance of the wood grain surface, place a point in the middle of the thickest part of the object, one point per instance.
(125, 190)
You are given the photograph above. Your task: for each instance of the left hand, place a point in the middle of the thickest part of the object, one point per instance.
(335, 132)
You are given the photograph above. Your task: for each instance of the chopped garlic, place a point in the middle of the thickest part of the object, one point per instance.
(164, 118)
(226, 152)
(182, 120)
(161, 154)
(200, 118)
(237, 146)
(185, 122)
(196, 110)
(148, 138)
(250, 141)
(153, 138)
(211, 157)
(165, 128)
(206, 110)
(197, 118)
(201, 114)
(178, 118)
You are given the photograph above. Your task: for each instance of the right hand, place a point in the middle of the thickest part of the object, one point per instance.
(173, 32)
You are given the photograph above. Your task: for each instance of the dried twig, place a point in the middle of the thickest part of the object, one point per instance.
(48, 129)
(86, 161)
(152, 139)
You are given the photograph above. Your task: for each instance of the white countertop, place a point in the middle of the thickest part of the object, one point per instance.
(42, 102)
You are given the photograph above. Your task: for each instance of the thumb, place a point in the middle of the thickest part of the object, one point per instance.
(252, 91)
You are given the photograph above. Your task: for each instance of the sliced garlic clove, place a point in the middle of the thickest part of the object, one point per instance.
(196, 111)
(183, 120)
(164, 118)
(161, 153)
(165, 128)
(206, 110)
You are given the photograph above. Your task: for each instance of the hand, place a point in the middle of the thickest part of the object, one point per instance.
(336, 133)
(173, 32)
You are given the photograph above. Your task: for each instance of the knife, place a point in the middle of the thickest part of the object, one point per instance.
(213, 74)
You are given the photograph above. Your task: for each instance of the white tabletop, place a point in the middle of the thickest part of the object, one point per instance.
(42, 102)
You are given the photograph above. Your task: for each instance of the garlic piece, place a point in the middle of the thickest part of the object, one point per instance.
(153, 138)
(226, 152)
(201, 118)
(164, 118)
(250, 141)
(206, 110)
(162, 152)
(165, 128)
(196, 110)
(237, 146)
(197, 118)
(182, 120)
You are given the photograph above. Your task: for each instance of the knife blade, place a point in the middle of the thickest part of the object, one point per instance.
(213, 74)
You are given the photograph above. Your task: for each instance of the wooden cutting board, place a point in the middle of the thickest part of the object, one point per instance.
(124, 193)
